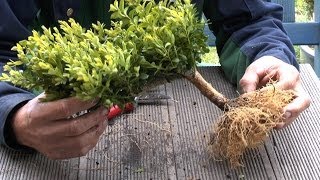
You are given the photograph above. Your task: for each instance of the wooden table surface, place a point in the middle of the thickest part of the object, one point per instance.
(168, 141)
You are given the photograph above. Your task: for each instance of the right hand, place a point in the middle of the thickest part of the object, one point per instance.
(48, 128)
(287, 77)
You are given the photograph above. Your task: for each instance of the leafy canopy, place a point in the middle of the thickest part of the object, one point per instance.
(147, 41)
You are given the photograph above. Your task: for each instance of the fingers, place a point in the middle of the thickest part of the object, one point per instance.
(293, 110)
(86, 141)
(84, 123)
(257, 73)
(79, 125)
(77, 146)
(249, 81)
(288, 79)
(59, 109)
(261, 71)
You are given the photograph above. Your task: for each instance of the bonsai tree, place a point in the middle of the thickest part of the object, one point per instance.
(149, 44)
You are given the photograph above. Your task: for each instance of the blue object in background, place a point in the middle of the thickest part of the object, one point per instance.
(300, 33)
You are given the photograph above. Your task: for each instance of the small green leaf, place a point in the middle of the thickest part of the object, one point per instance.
(144, 76)
(176, 60)
(139, 170)
(4, 77)
(167, 45)
(121, 7)
(112, 8)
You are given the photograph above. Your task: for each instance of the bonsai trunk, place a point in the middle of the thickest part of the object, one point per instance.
(208, 91)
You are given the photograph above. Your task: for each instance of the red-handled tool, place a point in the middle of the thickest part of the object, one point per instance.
(148, 98)
(116, 110)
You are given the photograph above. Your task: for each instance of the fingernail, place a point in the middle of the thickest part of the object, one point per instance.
(287, 115)
(105, 112)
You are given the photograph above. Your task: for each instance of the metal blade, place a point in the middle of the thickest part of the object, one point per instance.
(151, 98)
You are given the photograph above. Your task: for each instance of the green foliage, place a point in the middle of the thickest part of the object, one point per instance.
(304, 10)
(211, 57)
(147, 41)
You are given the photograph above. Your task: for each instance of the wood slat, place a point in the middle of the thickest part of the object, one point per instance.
(299, 33)
(303, 33)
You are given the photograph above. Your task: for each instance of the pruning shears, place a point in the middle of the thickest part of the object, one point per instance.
(149, 98)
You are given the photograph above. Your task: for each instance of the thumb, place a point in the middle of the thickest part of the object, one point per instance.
(249, 81)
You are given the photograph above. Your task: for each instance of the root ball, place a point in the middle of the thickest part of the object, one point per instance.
(247, 123)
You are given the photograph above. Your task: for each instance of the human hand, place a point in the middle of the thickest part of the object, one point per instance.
(48, 128)
(267, 68)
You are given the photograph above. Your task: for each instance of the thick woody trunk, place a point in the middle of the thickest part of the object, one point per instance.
(208, 91)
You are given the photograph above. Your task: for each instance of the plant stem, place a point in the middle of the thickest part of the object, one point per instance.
(208, 91)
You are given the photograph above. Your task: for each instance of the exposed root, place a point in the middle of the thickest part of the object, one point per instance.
(154, 124)
(248, 122)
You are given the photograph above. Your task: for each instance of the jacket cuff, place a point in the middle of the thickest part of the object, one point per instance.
(10, 104)
(280, 54)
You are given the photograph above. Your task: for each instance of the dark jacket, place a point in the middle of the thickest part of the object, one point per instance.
(245, 31)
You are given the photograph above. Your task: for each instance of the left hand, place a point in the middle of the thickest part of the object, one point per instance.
(287, 76)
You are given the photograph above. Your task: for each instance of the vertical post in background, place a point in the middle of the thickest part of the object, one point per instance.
(317, 47)
(288, 9)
